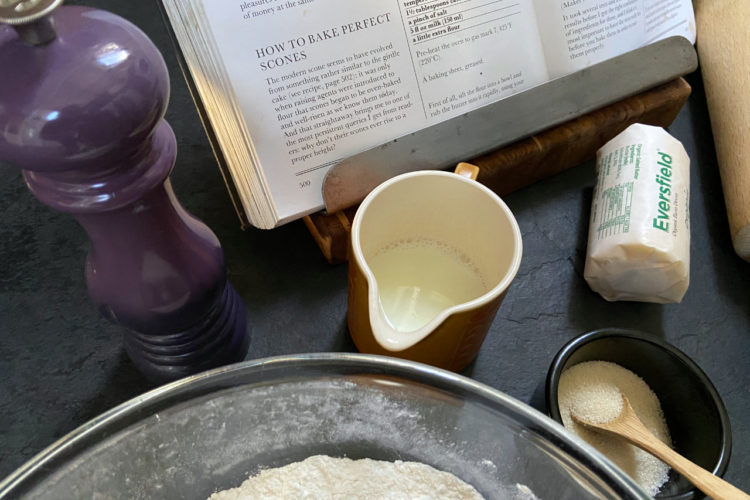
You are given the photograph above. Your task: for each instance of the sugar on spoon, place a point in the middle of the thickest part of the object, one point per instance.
(628, 426)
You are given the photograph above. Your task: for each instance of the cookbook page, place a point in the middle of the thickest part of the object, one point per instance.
(320, 80)
(578, 33)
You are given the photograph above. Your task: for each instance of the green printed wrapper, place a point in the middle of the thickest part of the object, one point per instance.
(639, 232)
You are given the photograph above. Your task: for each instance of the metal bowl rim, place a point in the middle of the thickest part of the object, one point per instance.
(437, 377)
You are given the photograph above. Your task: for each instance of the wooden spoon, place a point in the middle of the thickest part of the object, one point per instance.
(629, 427)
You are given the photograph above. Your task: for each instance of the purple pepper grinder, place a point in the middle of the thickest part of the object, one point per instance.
(82, 100)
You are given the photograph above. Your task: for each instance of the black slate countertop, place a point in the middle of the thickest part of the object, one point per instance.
(62, 364)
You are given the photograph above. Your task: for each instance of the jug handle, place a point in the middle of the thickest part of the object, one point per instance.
(467, 170)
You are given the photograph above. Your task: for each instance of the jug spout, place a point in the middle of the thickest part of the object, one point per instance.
(414, 285)
(402, 315)
(397, 334)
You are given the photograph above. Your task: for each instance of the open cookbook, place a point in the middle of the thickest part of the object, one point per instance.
(287, 88)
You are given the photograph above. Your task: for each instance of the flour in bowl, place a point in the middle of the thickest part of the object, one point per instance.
(324, 477)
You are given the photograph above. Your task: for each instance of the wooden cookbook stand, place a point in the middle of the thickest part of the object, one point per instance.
(534, 158)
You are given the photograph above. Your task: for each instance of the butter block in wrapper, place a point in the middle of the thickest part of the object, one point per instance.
(639, 232)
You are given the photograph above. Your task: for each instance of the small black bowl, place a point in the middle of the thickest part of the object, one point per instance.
(697, 419)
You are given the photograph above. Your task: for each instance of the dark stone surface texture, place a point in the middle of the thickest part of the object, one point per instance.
(61, 363)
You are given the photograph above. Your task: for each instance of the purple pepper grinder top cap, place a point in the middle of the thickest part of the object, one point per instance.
(86, 101)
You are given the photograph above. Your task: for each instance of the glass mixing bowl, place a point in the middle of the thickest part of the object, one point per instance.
(206, 433)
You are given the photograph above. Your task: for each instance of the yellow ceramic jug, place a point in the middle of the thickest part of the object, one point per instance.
(432, 254)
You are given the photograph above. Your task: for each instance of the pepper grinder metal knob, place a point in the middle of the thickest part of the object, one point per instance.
(81, 113)
(30, 18)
